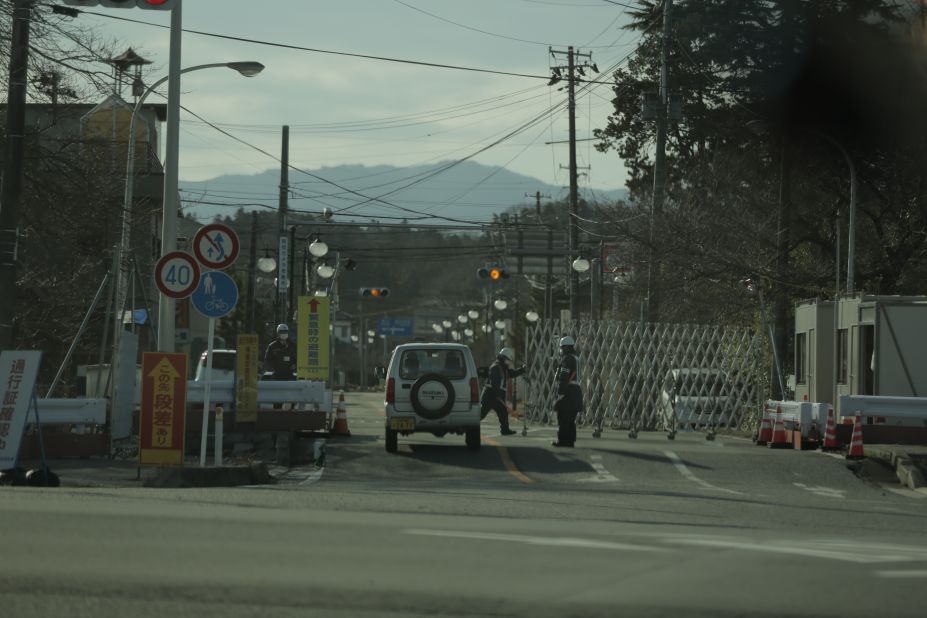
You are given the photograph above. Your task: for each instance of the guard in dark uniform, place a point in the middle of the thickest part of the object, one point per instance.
(494, 393)
(570, 403)
(280, 356)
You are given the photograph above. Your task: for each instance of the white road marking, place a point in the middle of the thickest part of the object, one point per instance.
(595, 457)
(684, 470)
(827, 492)
(903, 491)
(534, 540)
(914, 574)
(844, 551)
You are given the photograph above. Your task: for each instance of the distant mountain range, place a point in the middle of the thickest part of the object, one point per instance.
(468, 191)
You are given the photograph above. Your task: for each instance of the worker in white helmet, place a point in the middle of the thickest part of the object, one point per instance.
(570, 403)
(495, 390)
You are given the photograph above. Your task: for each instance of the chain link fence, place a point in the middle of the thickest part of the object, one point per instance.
(640, 376)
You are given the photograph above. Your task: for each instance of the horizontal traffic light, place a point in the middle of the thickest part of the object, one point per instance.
(493, 273)
(155, 5)
(374, 292)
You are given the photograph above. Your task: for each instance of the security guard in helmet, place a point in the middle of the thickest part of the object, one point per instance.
(570, 403)
(493, 396)
(280, 356)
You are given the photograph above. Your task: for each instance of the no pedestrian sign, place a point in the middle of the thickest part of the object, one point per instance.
(216, 246)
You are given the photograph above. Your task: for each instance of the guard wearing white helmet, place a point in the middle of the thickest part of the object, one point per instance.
(280, 356)
(570, 402)
(494, 393)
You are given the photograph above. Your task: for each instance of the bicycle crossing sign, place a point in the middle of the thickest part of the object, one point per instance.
(216, 295)
(177, 274)
(216, 246)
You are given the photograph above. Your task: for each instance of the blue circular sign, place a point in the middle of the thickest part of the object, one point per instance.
(216, 295)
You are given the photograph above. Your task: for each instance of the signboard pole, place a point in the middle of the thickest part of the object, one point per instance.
(210, 340)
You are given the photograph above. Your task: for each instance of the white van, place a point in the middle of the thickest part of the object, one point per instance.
(697, 397)
(223, 366)
(432, 387)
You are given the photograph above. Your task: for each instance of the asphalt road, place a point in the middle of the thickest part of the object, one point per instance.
(643, 527)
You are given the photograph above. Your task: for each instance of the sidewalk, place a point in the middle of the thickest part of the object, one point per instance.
(117, 473)
(909, 461)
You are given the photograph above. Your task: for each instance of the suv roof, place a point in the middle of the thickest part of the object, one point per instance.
(428, 346)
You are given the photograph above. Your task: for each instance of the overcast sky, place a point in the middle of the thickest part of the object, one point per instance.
(336, 105)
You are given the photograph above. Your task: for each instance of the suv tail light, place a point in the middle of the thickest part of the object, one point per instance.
(474, 391)
(391, 390)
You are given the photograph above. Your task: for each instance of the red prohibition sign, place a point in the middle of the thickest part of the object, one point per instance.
(216, 246)
(177, 274)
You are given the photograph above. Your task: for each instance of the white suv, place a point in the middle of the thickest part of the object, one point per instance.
(432, 387)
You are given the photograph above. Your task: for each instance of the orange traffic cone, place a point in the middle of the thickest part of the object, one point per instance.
(779, 438)
(340, 427)
(830, 433)
(765, 435)
(856, 444)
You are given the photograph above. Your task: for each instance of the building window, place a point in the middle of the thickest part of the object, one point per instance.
(801, 357)
(843, 356)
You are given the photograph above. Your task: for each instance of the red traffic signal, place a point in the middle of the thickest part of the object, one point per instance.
(493, 273)
(374, 292)
(155, 5)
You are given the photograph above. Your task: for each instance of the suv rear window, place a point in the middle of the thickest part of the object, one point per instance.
(224, 361)
(416, 363)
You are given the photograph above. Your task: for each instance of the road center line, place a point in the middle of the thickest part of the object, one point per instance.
(535, 540)
(913, 574)
(508, 463)
(684, 470)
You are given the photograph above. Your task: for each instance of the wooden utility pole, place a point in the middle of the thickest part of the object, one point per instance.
(659, 171)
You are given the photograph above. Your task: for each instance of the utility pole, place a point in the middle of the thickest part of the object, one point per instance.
(537, 204)
(11, 189)
(659, 170)
(252, 270)
(283, 271)
(572, 67)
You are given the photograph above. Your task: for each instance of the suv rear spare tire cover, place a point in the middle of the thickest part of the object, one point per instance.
(432, 396)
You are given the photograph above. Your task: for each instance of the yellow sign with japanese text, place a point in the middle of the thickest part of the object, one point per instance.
(163, 409)
(246, 379)
(313, 337)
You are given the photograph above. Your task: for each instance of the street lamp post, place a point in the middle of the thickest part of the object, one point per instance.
(171, 152)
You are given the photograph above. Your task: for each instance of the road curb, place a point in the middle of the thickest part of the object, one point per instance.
(905, 468)
(225, 476)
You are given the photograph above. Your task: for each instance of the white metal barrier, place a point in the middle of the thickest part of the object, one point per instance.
(72, 411)
(800, 414)
(884, 405)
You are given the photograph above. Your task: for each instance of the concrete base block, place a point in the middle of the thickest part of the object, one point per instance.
(225, 476)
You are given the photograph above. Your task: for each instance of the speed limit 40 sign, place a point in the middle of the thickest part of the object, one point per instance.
(177, 274)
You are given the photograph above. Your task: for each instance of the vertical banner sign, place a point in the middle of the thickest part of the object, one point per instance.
(164, 400)
(313, 338)
(283, 265)
(246, 379)
(18, 372)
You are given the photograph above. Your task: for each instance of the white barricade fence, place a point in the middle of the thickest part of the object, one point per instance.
(648, 376)
(905, 408)
(305, 394)
(72, 411)
(799, 414)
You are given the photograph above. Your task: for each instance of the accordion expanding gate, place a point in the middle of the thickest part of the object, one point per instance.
(640, 376)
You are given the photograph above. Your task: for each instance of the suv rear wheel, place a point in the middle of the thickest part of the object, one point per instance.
(392, 440)
(473, 438)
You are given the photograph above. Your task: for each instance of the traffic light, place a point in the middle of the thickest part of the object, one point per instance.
(374, 292)
(492, 272)
(154, 5)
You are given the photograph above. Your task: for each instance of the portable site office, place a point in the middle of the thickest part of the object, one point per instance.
(877, 343)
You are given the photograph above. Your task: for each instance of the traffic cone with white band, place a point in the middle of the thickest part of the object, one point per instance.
(766, 431)
(856, 444)
(830, 433)
(340, 427)
(779, 438)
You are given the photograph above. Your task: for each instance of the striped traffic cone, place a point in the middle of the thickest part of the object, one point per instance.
(340, 427)
(766, 430)
(830, 433)
(779, 438)
(856, 444)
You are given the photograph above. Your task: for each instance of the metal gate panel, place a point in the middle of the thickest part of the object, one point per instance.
(650, 376)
